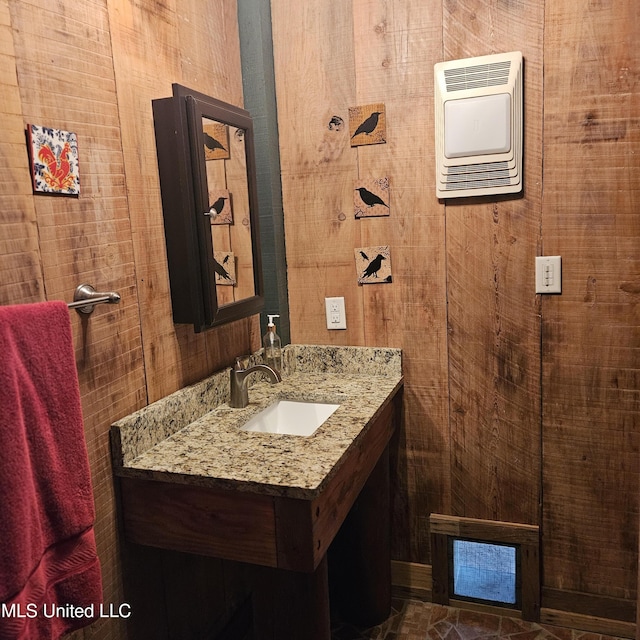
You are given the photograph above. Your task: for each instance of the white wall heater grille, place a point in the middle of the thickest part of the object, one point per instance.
(478, 126)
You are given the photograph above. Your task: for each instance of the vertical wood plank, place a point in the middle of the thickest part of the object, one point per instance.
(494, 344)
(313, 57)
(66, 81)
(590, 342)
(20, 268)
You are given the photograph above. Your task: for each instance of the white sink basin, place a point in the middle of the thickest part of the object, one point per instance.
(292, 417)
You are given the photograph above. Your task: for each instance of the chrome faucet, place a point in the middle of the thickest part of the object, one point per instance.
(239, 392)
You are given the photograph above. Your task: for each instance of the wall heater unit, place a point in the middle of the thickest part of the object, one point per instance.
(478, 125)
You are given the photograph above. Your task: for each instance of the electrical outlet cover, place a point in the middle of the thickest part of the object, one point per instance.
(335, 312)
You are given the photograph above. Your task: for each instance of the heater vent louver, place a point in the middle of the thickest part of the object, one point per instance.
(478, 76)
(477, 184)
(463, 169)
(478, 125)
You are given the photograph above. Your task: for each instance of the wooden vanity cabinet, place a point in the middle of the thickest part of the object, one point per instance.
(286, 537)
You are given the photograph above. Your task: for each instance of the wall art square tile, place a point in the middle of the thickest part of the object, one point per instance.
(220, 211)
(371, 198)
(367, 124)
(373, 265)
(216, 140)
(225, 268)
(53, 154)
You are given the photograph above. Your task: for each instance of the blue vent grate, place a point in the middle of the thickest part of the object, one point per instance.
(485, 572)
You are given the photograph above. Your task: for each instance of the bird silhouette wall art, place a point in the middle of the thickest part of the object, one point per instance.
(216, 140)
(220, 211)
(367, 125)
(224, 265)
(373, 265)
(53, 154)
(371, 198)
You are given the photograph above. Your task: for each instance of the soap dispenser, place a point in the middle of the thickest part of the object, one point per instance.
(272, 346)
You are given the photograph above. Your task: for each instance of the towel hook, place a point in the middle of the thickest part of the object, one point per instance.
(86, 297)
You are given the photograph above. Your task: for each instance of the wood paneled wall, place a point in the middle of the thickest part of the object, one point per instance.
(517, 408)
(93, 68)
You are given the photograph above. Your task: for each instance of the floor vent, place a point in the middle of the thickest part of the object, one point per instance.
(485, 572)
(485, 563)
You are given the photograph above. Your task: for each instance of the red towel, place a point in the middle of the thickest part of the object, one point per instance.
(48, 561)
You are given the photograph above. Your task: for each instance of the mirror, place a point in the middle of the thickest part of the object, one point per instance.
(206, 161)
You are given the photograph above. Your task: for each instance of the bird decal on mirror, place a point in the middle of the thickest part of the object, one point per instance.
(215, 136)
(224, 266)
(220, 210)
(217, 206)
(211, 143)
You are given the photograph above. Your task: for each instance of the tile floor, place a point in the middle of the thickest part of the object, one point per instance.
(416, 620)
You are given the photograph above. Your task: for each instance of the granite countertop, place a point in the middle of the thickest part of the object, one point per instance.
(211, 449)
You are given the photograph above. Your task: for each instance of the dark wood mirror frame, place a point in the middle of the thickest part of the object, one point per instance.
(185, 199)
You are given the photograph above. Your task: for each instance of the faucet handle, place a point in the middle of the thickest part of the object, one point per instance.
(238, 365)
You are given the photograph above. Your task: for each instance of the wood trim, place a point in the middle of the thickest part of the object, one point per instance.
(595, 624)
(530, 586)
(489, 530)
(412, 578)
(589, 604)
(294, 535)
(486, 608)
(440, 568)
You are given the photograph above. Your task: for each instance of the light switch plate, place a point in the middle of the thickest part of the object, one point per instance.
(548, 274)
(336, 316)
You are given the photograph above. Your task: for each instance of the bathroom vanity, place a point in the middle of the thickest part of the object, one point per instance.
(191, 479)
